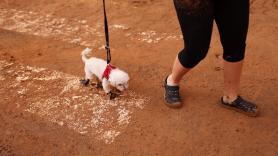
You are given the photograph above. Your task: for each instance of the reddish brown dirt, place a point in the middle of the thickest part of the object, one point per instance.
(201, 127)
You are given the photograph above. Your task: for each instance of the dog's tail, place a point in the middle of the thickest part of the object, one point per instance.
(84, 53)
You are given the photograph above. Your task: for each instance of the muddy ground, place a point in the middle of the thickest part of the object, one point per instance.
(44, 110)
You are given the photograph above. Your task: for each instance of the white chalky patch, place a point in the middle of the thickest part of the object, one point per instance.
(72, 31)
(123, 116)
(2, 64)
(109, 136)
(35, 69)
(2, 78)
(53, 76)
(152, 36)
(59, 98)
(22, 78)
(118, 26)
(22, 91)
(72, 84)
(76, 40)
(49, 26)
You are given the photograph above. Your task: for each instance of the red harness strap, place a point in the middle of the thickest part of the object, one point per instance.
(107, 71)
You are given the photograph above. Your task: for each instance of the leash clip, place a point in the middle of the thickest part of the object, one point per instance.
(107, 47)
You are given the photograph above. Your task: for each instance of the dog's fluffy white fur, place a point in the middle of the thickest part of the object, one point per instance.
(95, 67)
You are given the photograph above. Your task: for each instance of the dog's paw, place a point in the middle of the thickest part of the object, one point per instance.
(99, 85)
(85, 82)
(112, 95)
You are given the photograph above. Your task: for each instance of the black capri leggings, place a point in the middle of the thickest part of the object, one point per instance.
(231, 17)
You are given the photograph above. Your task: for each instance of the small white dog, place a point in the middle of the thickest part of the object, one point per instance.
(107, 75)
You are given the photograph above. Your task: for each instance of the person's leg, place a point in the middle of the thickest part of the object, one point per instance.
(232, 73)
(196, 29)
(178, 71)
(232, 18)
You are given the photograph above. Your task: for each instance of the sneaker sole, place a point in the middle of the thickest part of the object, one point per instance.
(172, 105)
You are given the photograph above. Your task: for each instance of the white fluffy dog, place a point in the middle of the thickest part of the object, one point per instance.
(106, 77)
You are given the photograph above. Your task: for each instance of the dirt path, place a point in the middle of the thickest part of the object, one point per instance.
(44, 111)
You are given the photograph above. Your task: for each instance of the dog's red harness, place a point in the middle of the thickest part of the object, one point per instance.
(107, 71)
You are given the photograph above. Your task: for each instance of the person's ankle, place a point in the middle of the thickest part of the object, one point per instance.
(170, 81)
(229, 98)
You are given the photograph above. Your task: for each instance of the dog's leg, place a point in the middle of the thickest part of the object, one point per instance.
(105, 86)
(99, 84)
(88, 76)
(107, 89)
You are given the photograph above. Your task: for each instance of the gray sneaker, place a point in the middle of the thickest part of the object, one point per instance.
(172, 95)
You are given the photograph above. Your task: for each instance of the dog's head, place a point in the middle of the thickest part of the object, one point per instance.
(119, 79)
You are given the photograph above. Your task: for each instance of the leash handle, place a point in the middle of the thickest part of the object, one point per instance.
(107, 47)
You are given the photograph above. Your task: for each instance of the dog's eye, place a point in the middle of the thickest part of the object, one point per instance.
(120, 84)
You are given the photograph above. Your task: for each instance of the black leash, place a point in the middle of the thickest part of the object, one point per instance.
(107, 48)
